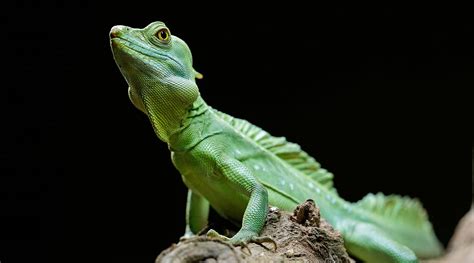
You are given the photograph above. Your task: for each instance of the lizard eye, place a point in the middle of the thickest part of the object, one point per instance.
(163, 35)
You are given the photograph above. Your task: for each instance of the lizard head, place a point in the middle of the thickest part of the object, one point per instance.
(151, 50)
(158, 69)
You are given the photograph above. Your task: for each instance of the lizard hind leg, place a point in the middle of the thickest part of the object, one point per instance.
(371, 244)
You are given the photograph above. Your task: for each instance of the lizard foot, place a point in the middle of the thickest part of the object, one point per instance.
(185, 237)
(243, 238)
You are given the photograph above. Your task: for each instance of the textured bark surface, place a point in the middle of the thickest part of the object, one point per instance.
(301, 237)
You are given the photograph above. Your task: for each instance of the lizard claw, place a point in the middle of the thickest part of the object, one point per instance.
(213, 234)
(257, 240)
(265, 239)
(243, 238)
(244, 246)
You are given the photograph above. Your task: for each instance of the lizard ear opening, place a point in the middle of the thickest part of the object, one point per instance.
(197, 74)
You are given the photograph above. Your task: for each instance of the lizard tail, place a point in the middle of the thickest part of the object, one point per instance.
(405, 220)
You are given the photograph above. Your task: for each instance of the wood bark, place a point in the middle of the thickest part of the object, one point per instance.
(302, 236)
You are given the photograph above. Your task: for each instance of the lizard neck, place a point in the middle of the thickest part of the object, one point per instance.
(169, 104)
(195, 127)
(198, 108)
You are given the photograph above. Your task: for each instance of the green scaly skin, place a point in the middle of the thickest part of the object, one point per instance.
(227, 169)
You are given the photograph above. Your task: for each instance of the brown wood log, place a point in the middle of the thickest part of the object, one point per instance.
(301, 237)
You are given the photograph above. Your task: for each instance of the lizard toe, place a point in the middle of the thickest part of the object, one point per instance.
(214, 234)
(265, 239)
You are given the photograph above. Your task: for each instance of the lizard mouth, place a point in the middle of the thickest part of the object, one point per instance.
(142, 50)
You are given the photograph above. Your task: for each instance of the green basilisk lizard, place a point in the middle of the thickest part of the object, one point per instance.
(239, 169)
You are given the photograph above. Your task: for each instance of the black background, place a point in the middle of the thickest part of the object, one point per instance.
(376, 94)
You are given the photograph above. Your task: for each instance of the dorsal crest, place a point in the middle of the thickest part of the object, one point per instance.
(290, 153)
(395, 207)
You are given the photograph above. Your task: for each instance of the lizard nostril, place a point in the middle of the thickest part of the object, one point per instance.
(116, 30)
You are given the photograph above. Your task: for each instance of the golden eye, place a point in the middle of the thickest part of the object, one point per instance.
(163, 35)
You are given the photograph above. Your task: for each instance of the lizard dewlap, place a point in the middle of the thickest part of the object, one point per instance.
(239, 169)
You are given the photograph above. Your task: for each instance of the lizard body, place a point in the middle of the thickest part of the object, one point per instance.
(239, 169)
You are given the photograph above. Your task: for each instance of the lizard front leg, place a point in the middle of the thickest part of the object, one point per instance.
(240, 179)
(197, 212)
